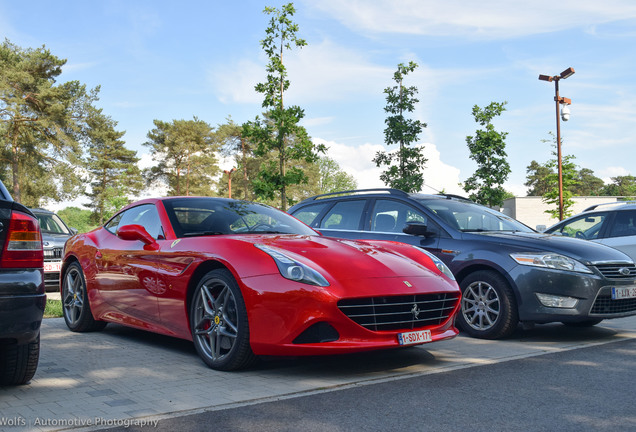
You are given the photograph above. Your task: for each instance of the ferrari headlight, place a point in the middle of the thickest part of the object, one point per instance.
(438, 263)
(550, 260)
(292, 269)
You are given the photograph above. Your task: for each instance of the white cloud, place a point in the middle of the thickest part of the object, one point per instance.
(316, 121)
(234, 82)
(358, 162)
(613, 171)
(487, 19)
(328, 72)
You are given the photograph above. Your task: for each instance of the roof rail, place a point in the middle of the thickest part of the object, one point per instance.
(459, 197)
(595, 206)
(360, 192)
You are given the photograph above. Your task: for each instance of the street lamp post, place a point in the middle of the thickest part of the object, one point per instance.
(229, 181)
(565, 113)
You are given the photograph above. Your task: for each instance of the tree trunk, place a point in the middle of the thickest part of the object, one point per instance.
(15, 169)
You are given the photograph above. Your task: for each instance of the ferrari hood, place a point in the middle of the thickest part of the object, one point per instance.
(348, 259)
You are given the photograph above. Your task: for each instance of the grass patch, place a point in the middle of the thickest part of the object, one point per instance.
(53, 309)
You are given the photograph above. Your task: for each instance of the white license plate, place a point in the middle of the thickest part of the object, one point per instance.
(623, 292)
(52, 267)
(415, 337)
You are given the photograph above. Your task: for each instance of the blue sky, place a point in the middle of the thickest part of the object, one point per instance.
(174, 60)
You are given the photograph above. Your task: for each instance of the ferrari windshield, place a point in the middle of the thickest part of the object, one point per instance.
(469, 217)
(218, 216)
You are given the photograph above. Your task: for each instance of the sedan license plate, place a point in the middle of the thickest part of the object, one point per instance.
(619, 293)
(415, 337)
(52, 267)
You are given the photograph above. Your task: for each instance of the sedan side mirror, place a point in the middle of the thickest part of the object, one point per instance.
(137, 232)
(417, 229)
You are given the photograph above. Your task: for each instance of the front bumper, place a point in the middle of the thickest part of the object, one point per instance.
(291, 318)
(592, 292)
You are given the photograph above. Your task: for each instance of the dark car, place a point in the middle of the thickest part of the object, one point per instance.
(54, 234)
(507, 272)
(612, 224)
(22, 297)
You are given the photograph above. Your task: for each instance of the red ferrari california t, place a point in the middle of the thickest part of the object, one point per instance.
(242, 279)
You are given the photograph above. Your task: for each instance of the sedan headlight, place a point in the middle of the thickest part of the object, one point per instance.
(292, 269)
(550, 260)
(438, 263)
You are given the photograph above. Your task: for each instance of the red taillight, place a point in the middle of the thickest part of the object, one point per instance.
(23, 245)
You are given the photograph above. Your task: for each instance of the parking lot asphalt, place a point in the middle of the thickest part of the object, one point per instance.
(122, 376)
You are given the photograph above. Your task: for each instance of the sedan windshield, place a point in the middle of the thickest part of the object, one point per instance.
(470, 217)
(213, 216)
(51, 224)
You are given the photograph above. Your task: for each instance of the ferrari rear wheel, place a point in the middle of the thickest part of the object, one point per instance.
(75, 305)
(218, 319)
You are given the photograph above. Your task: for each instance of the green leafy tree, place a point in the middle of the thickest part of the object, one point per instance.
(232, 143)
(405, 165)
(185, 152)
(76, 218)
(569, 177)
(621, 186)
(587, 184)
(488, 149)
(279, 133)
(42, 123)
(536, 179)
(112, 167)
(333, 178)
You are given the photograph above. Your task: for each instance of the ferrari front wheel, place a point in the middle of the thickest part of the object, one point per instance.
(218, 320)
(76, 307)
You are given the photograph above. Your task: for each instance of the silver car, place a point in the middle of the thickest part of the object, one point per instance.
(612, 224)
(54, 234)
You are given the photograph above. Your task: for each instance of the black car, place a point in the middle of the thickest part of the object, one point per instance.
(22, 296)
(54, 234)
(508, 273)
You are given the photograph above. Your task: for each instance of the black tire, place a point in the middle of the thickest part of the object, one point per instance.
(586, 323)
(76, 307)
(489, 308)
(218, 321)
(18, 363)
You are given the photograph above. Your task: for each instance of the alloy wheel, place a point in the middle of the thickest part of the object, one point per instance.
(73, 295)
(480, 305)
(216, 319)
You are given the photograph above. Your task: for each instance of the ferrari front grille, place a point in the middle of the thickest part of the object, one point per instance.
(404, 312)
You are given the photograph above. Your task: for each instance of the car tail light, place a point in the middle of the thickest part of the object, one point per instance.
(23, 245)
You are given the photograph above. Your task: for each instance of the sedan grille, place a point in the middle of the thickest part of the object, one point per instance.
(617, 271)
(52, 254)
(604, 305)
(400, 312)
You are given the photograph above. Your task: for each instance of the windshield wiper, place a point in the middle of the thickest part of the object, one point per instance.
(202, 233)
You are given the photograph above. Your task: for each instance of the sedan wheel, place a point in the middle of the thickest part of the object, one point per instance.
(489, 310)
(218, 320)
(75, 305)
